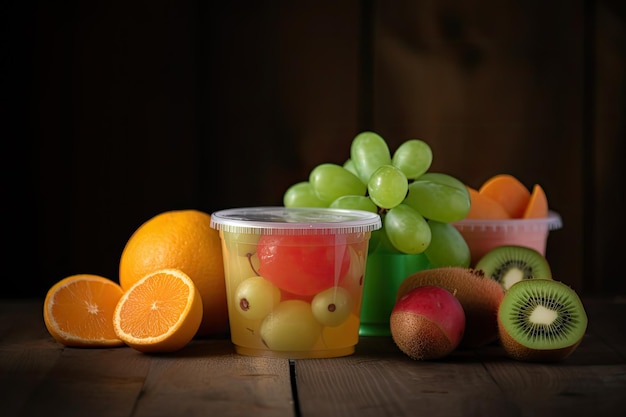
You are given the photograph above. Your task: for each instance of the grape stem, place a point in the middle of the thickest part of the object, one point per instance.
(249, 256)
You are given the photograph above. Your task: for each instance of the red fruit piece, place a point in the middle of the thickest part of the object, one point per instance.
(427, 322)
(302, 264)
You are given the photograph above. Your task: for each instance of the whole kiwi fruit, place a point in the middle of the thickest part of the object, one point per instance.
(479, 295)
(509, 264)
(541, 320)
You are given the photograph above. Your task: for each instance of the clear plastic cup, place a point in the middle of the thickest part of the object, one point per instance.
(483, 235)
(294, 278)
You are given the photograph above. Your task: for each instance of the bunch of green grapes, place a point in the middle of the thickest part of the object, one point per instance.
(417, 206)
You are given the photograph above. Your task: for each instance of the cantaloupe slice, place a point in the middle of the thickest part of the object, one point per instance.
(509, 192)
(537, 205)
(483, 207)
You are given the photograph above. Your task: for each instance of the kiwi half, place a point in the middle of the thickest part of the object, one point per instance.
(509, 264)
(541, 320)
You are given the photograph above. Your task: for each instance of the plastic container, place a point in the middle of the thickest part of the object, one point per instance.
(385, 272)
(294, 278)
(483, 235)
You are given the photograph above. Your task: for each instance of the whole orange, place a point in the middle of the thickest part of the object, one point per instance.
(181, 239)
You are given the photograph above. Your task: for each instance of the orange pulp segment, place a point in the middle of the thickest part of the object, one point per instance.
(78, 311)
(159, 313)
(537, 205)
(484, 207)
(509, 192)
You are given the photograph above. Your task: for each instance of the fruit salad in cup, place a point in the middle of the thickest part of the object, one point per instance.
(294, 278)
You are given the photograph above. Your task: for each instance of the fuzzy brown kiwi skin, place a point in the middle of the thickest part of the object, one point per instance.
(479, 295)
(410, 330)
(516, 350)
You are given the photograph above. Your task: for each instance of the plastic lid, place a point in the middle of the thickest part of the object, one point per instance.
(294, 221)
(552, 222)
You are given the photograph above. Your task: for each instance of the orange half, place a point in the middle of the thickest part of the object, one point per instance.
(159, 313)
(78, 311)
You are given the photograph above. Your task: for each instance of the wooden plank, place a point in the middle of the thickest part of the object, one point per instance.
(41, 377)
(606, 101)
(27, 353)
(592, 381)
(21, 370)
(208, 378)
(379, 380)
(493, 88)
(94, 382)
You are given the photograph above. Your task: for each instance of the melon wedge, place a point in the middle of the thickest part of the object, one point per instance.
(509, 192)
(484, 207)
(537, 205)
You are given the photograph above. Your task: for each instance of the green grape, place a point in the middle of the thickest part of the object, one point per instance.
(447, 246)
(444, 179)
(355, 202)
(439, 197)
(368, 152)
(331, 181)
(256, 297)
(291, 326)
(413, 157)
(407, 229)
(384, 245)
(349, 165)
(332, 306)
(302, 194)
(379, 241)
(387, 186)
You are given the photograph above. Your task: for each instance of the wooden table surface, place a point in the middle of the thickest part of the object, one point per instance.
(39, 377)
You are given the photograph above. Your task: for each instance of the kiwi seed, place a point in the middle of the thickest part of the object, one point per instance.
(509, 264)
(541, 320)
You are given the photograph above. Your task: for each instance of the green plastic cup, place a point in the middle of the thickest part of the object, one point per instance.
(384, 273)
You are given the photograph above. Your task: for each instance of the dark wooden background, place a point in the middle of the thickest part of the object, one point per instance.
(115, 111)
